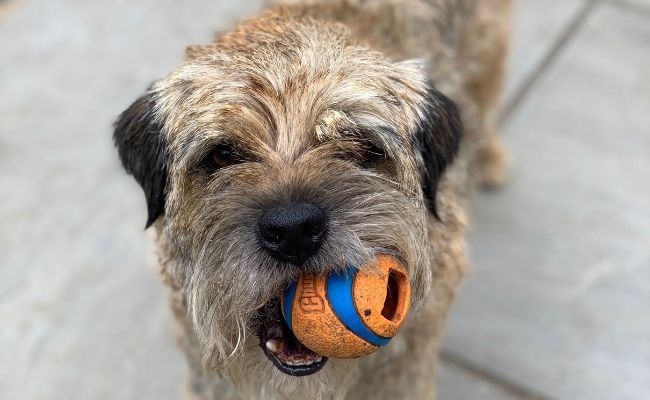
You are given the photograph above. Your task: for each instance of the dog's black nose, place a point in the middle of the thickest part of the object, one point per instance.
(292, 232)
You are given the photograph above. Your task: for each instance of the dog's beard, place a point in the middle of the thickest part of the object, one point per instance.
(257, 378)
(232, 278)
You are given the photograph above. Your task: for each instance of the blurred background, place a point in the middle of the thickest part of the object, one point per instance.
(556, 307)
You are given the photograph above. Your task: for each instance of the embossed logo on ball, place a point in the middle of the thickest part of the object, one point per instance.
(310, 301)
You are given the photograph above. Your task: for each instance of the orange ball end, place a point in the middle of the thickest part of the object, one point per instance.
(349, 314)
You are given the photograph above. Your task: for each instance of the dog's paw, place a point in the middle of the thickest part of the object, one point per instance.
(490, 171)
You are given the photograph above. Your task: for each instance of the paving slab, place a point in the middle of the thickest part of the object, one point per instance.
(558, 299)
(537, 25)
(76, 269)
(456, 383)
(642, 6)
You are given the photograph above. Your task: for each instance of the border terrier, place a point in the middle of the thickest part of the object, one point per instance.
(310, 138)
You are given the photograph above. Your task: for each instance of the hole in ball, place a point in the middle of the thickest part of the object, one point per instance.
(392, 296)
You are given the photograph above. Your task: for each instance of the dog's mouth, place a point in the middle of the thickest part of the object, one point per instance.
(280, 345)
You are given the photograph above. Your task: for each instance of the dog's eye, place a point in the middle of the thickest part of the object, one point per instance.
(365, 154)
(370, 155)
(224, 155)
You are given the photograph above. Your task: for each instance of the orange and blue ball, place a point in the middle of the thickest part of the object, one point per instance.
(350, 313)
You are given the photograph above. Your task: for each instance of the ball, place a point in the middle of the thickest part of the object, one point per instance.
(351, 313)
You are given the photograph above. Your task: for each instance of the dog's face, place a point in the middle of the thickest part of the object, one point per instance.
(284, 148)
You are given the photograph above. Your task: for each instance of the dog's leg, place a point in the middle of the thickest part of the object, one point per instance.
(485, 45)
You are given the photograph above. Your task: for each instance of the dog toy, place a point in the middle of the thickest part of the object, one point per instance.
(351, 313)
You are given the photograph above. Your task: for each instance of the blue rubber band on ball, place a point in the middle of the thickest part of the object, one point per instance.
(289, 295)
(340, 295)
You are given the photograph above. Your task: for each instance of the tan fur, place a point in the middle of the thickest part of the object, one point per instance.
(296, 89)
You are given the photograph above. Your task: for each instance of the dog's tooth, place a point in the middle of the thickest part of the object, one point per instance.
(296, 362)
(274, 345)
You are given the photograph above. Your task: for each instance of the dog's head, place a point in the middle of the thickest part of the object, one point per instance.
(284, 147)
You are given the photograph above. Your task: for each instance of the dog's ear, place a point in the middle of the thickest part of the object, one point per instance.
(437, 137)
(143, 150)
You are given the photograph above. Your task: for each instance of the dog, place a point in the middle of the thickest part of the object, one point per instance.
(316, 136)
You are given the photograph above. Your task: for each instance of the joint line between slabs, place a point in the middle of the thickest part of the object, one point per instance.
(504, 384)
(531, 80)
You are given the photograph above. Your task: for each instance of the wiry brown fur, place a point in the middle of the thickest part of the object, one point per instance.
(299, 91)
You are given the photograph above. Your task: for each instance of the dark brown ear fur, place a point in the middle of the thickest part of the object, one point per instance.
(438, 137)
(143, 151)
